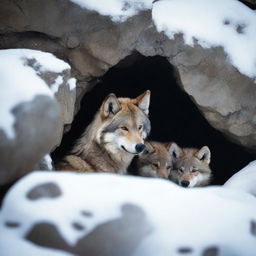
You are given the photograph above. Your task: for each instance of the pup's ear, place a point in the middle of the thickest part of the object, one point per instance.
(174, 150)
(110, 105)
(143, 100)
(204, 154)
(148, 149)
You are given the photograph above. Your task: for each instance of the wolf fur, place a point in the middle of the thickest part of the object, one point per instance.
(190, 166)
(155, 161)
(114, 137)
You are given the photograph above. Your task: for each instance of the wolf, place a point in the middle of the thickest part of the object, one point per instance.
(114, 137)
(155, 160)
(190, 166)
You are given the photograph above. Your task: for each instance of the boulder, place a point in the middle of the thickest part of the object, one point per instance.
(93, 39)
(31, 121)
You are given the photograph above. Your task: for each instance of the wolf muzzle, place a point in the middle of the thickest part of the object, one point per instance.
(140, 147)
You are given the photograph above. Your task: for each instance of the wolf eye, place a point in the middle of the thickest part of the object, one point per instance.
(180, 170)
(194, 170)
(124, 128)
(140, 127)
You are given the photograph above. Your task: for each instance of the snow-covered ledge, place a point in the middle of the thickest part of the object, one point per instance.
(48, 213)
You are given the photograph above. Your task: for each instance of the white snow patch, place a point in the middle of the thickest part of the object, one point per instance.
(72, 84)
(175, 214)
(20, 83)
(56, 85)
(244, 180)
(226, 23)
(46, 163)
(119, 10)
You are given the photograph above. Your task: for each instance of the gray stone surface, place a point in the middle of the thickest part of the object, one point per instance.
(92, 43)
(37, 127)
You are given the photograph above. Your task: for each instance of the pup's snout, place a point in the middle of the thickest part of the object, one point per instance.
(184, 183)
(140, 147)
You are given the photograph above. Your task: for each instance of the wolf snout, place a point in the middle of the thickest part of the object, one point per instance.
(184, 183)
(140, 147)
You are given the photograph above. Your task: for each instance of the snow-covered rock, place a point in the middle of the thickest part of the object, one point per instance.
(210, 42)
(45, 163)
(244, 180)
(228, 24)
(105, 214)
(118, 10)
(30, 123)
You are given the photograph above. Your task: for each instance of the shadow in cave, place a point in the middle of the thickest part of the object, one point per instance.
(173, 115)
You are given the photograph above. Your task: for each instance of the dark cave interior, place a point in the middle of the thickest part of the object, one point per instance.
(173, 115)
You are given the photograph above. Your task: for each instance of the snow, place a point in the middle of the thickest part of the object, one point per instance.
(118, 10)
(204, 21)
(197, 218)
(244, 180)
(56, 85)
(46, 163)
(72, 84)
(228, 24)
(21, 83)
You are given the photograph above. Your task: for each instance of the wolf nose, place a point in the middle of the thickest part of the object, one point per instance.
(184, 183)
(140, 147)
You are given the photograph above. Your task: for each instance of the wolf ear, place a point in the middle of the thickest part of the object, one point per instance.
(110, 105)
(143, 100)
(174, 150)
(204, 154)
(149, 148)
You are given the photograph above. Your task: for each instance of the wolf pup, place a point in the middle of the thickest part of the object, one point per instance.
(114, 137)
(190, 166)
(155, 161)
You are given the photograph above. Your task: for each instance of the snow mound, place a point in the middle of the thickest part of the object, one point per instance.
(228, 23)
(244, 180)
(20, 81)
(172, 217)
(118, 10)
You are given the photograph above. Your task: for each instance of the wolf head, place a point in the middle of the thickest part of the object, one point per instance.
(155, 161)
(124, 123)
(190, 166)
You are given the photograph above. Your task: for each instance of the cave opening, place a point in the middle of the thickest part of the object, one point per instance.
(173, 115)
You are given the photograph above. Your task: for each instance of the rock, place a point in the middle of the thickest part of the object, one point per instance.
(93, 43)
(31, 121)
(37, 128)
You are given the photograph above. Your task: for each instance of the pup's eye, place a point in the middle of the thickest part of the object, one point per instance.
(194, 170)
(180, 170)
(155, 165)
(124, 128)
(140, 127)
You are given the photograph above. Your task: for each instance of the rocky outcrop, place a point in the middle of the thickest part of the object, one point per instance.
(37, 126)
(92, 43)
(32, 120)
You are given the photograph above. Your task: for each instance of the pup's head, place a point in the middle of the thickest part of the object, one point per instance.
(125, 123)
(155, 161)
(190, 166)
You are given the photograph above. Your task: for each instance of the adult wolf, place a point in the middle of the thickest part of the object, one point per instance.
(114, 137)
(190, 166)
